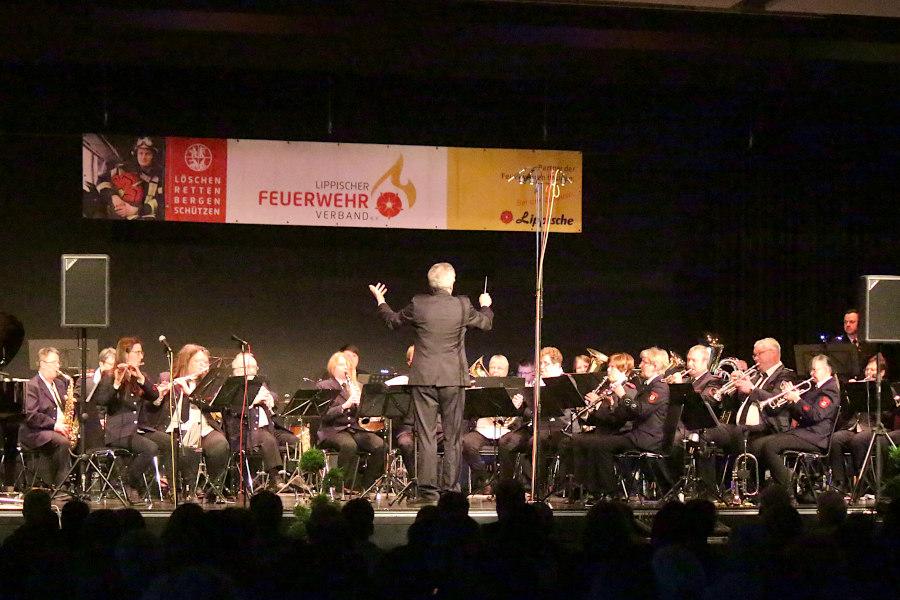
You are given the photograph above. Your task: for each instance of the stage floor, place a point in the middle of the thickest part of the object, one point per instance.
(391, 522)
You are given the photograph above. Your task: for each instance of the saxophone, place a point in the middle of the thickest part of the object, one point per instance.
(70, 417)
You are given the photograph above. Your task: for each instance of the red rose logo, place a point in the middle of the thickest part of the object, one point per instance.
(506, 216)
(128, 186)
(389, 204)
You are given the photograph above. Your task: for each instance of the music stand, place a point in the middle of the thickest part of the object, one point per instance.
(387, 403)
(557, 395)
(492, 397)
(586, 382)
(861, 395)
(844, 358)
(803, 354)
(308, 401)
(696, 415)
(204, 395)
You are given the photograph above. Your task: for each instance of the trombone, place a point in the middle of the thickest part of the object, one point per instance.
(779, 399)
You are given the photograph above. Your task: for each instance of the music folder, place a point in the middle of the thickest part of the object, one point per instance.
(558, 394)
(844, 358)
(492, 397)
(230, 397)
(696, 413)
(861, 397)
(208, 388)
(380, 400)
(586, 382)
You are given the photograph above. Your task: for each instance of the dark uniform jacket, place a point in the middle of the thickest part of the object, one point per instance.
(122, 407)
(336, 418)
(815, 413)
(778, 420)
(232, 420)
(440, 322)
(609, 418)
(648, 414)
(40, 411)
(706, 386)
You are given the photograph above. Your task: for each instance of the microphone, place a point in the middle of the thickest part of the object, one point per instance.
(165, 343)
(519, 176)
(239, 340)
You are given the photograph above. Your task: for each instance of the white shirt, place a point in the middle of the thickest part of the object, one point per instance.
(54, 393)
(264, 396)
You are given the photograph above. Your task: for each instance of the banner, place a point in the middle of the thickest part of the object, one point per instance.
(322, 184)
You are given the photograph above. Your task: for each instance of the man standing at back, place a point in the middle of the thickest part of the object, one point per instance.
(439, 371)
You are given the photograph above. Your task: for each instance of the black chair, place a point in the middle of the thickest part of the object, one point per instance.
(810, 468)
(649, 463)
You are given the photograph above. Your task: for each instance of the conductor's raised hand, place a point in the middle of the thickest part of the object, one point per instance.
(484, 300)
(378, 290)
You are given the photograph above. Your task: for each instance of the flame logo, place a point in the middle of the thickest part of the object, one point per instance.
(409, 188)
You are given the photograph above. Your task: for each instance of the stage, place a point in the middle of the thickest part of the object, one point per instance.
(391, 522)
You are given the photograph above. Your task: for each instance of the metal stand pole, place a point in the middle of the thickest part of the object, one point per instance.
(538, 319)
(174, 444)
(535, 177)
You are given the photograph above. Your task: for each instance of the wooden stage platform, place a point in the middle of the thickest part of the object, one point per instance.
(391, 522)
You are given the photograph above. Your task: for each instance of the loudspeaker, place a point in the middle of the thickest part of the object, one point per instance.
(880, 306)
(85, 290)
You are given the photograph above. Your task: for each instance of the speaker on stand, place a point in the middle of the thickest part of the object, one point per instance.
(84, 302)
(880, 305)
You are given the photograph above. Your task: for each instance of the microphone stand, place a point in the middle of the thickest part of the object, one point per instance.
(174, 438)
(879, 434)
(242, 444)
(543, 211)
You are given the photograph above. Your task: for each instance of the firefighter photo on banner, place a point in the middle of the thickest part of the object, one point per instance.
(123, 177)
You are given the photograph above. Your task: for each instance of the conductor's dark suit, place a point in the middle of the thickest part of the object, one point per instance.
(438, 376)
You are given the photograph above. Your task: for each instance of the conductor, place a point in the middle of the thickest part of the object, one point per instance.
(439, 371)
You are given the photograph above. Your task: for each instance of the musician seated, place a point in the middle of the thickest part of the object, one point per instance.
(123, 392)
(581, 363)
(488, 431)
(45, 428)
(93, 432)
(259, 421)
(647, 413)
(551, 437)
(848, 428)
(402, 427)
(340, 429)
(814, 411)
(765, 383)
(890, 415)
(200, 433)
(606, 415)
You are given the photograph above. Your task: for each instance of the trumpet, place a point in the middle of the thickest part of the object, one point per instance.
(779, 399)
(585, 411)
(671, 378)
(732, 385)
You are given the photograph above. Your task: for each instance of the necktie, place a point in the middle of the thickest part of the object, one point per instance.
(55, 393)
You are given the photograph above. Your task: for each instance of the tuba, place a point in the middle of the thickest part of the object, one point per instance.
(477, 369)
(598, 359)
(715, 355)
